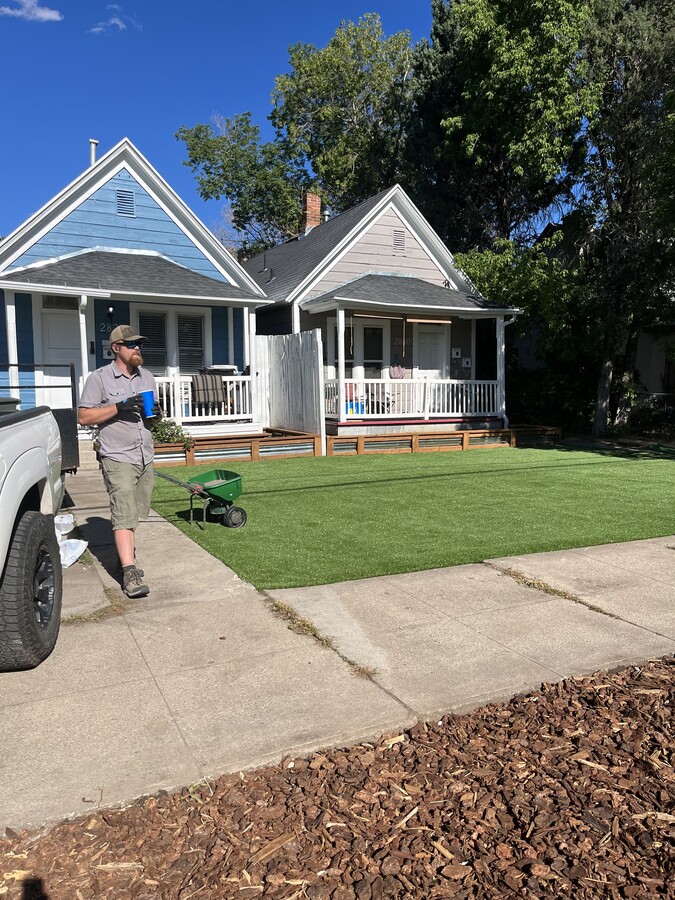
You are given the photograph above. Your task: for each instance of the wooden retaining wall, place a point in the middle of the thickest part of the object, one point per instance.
(277, 444)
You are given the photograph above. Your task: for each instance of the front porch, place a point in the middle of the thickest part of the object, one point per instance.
(228, 411)
(373, 405)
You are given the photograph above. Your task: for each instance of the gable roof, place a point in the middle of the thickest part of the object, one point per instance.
(124, 155)
(288, 271)
(401, 294)
(145, 273)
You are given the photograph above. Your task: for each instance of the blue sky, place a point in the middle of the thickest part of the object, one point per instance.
(80, 69)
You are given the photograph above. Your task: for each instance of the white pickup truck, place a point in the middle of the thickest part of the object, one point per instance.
(31, 492)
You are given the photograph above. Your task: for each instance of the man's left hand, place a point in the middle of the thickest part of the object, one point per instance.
(157, 411)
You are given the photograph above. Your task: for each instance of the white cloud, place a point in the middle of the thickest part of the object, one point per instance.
(117, 21)
(31, 11)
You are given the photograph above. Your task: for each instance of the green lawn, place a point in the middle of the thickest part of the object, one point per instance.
(316, 521)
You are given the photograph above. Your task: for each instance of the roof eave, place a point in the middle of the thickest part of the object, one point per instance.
(68, 290)
(338, 302)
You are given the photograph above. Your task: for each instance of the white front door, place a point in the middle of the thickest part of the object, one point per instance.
(60, 344)
(432, 351)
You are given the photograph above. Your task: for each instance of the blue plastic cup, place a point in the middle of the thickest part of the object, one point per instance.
(148, 403)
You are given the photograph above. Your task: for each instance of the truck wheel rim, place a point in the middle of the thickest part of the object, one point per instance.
(43, 588)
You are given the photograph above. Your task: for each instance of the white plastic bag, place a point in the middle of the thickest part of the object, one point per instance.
(71, 551)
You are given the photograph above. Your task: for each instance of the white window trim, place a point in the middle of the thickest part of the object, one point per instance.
(359, 324)
(172, 313)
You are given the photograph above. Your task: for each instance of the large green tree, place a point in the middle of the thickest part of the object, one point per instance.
(340, 117)
(500, 95)
(628, 250)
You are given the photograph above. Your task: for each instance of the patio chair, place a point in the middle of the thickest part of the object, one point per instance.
(208, 392)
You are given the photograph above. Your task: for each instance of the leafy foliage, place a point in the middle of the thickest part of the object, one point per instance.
(262, 181)
(499, 105)
(167, 431)
(340, 119)
(344, 109)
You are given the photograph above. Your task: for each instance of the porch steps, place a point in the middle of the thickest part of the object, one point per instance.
(536, 435)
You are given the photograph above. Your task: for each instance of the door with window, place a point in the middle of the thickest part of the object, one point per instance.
(364, 350)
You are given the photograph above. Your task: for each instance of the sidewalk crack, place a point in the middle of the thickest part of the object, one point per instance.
(539, 585)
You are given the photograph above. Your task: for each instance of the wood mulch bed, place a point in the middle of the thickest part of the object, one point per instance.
(566, 792)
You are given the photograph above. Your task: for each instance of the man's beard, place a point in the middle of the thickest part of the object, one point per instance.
(136, 359)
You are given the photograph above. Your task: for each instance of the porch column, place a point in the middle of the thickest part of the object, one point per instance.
(247, 353)
(254, 393)
(501, 369)
(84, 350)
(12, 344)
(341, 396)
(230, 335)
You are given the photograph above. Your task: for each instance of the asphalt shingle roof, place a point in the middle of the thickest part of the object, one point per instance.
(400, 291)
(279, 270)
(144, 273)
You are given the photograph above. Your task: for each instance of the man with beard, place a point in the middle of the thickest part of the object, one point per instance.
(111, 399)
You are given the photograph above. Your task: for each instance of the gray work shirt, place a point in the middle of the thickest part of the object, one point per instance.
(126, 437)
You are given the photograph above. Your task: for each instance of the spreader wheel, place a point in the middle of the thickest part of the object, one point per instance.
(235, 517)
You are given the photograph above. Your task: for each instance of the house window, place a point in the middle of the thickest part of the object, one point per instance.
(153, 327)
(399, 240)
(349, 349)
(190, 343)
(126, 203)
(373, 346)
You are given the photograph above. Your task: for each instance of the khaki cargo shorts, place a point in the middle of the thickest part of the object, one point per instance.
(130, 490)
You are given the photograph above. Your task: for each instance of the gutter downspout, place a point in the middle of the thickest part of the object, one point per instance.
(501, 353)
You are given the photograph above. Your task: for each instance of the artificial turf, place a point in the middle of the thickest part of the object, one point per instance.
(322, 520)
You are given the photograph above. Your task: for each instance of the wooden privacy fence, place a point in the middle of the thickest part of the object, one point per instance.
(290, 382)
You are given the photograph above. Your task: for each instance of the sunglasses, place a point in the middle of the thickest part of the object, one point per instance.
(130, 345)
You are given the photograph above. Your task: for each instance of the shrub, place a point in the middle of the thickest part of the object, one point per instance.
(166, 431)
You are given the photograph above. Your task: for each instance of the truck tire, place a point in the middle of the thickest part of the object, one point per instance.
(30, 594)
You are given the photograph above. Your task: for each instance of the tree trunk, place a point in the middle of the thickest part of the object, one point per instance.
(622, 399)
(603, 394)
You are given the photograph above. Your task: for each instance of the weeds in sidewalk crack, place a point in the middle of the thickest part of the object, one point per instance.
(116, 607)
(545, 588)
(300, 625)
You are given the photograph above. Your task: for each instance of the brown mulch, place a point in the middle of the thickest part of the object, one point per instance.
(567, 792)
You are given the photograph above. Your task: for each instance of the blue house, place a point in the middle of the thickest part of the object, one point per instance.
(119, 246)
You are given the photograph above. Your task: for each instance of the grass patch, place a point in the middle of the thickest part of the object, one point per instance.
(322, 520)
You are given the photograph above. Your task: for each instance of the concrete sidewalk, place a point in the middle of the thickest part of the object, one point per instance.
(202, 677)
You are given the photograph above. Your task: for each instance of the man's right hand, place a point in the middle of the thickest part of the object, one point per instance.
(132, 404)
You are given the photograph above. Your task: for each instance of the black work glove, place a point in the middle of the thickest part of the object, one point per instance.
(132, 404)
(157, 411)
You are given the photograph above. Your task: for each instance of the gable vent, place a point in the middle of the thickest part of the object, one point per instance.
(126, 203)
(399, 240)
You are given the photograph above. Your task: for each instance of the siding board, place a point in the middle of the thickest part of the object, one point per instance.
(95, 223)
(374, 252)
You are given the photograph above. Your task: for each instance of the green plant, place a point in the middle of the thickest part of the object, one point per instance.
(166, 431)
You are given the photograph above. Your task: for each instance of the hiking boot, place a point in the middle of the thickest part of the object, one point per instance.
(133, 584)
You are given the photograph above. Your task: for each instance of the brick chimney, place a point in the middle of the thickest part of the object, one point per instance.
(311, 212)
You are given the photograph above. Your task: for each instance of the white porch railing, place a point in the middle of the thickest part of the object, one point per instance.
(177, 399)
(374, 398)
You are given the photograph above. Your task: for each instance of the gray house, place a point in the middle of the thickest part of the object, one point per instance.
(409, 342)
